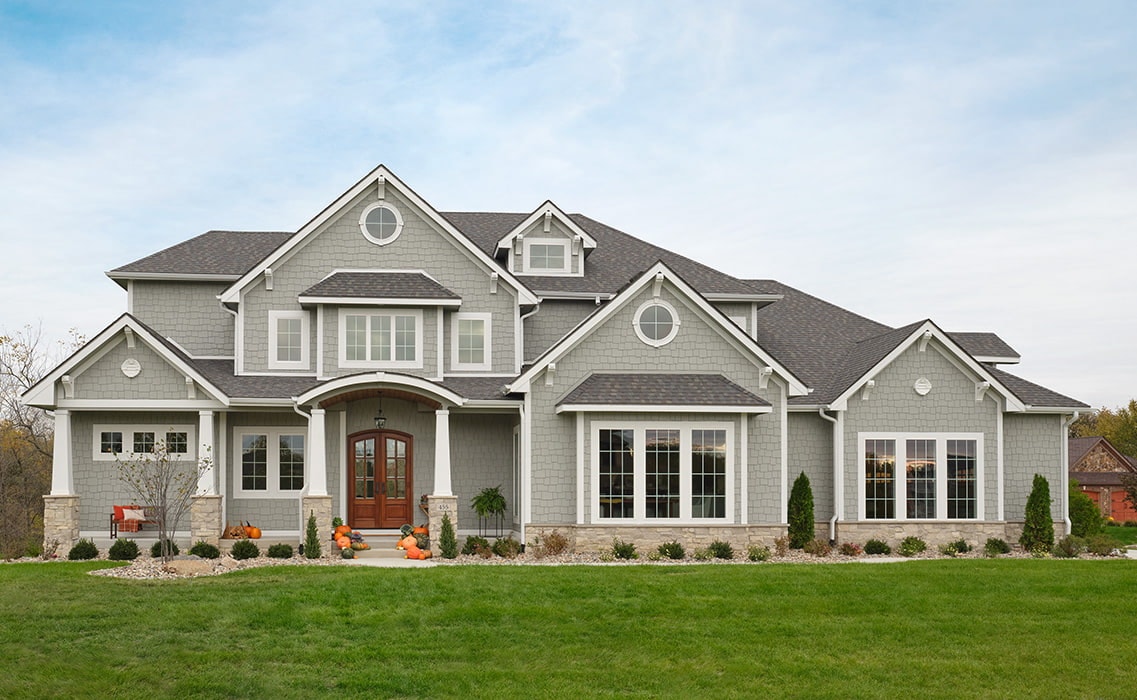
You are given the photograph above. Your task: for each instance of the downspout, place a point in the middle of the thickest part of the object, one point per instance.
(838, 475)
(520, 341)
(1066, 422)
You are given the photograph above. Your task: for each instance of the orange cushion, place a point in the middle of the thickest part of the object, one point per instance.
(118, 513)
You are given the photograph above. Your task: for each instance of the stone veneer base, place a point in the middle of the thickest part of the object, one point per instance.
(205, 519)
(61, 522)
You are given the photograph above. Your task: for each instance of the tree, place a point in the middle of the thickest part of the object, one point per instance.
(1085, 515)
(166, 482)
(1129, 481)
(312, 538)
(800, 512)
(25, 439)
(447, 541)
(1118, 426)
(1038, 530)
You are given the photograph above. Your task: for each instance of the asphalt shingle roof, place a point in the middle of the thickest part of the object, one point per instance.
(661, 390)
(380, 285)
(984, 345)
(228, 253)
(1032, 394)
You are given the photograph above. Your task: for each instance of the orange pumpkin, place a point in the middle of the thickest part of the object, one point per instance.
(425, 554)
(343, 542)
(420, 530)
(413, 552)
(408, 542)
(342, 530)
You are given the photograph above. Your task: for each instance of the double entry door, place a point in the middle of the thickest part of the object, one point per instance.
(380, 467)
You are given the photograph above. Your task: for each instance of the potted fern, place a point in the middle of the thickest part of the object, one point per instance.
(489, 504)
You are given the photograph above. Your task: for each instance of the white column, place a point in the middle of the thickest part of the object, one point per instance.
(61, 474)
(206, 483)
(317, 455)
(442, 453)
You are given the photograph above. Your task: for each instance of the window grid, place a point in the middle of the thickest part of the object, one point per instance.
(962, 472)
(288, 334)
(177, 443)
(404, 338)
(617, 474)
(920, 466)
(880, 478)
(708, 473)
(143, 442)
(381, 338)
(291, 462)
(656, 322)
(471, 341)
(254, 462)
(662, 452)
(547, 256)
(110, 442)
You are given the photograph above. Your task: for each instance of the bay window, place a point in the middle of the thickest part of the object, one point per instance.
(648, 472)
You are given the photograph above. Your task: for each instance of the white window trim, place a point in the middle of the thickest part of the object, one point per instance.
(639, 457)
(398, 222)
(274, 317)
(674, 327)
(128, 430)
(901, 491)
(564, 243)
(273, 434)
(487, 361)
(417, 363)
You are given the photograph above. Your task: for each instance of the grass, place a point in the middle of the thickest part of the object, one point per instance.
(1124, 535)
(954, 628)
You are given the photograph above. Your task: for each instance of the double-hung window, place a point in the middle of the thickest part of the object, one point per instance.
(470, 341)
(271, 461)
(921, 476)
(288, 340)
(381, 338)
(652, 472)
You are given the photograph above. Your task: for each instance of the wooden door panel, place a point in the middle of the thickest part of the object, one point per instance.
(380, 467)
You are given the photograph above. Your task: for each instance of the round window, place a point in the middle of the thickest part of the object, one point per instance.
(656, 323)
(381, 223)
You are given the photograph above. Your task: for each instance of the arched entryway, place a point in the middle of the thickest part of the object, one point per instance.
(380, 479)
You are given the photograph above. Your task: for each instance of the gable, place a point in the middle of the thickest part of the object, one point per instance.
(1101, 457)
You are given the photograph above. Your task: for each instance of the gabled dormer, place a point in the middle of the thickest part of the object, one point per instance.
(547, 243)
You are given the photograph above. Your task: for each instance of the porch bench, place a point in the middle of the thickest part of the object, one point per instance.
(125, 518)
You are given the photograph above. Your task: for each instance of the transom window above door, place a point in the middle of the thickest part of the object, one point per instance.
(388, 338)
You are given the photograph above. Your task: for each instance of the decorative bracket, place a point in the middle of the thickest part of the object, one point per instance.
(68, 386)
(598, 300)
(518, 244)
(924, 340)
(493, 283)
(550, 371)
(576, 242)
(548, 220)
(381, 187)
(191, 391)
(764, 375)
(981, 390)
(129, 333)
(268, 278)
(655, 285)
(866, 392)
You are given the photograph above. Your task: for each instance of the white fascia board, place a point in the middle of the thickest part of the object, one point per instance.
(1058, 410)
(587, 241)
(171, 276)
(379, 301)
(585, 328)
(141, 404)
(417, 384)
(262, 403)
(576, 296)
(42, 393)
(656, 408)
(997, 360)
(956, 354)
(712, 296)
(369, 180)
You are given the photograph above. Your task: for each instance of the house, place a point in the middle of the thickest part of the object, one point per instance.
(1097, 466)
(388, 354)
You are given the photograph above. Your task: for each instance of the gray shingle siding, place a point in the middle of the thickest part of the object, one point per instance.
(552, 322)
(187, 312)
(105, 380)
(1033, 446)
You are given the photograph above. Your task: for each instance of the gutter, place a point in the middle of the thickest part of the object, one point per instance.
(838, 472)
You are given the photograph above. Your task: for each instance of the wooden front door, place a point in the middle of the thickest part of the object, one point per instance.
(379, 476)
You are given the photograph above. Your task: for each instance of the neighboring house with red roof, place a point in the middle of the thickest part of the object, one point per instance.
(1097, 466)
(387, 350)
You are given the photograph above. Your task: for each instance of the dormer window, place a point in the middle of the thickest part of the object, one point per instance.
(547, 256)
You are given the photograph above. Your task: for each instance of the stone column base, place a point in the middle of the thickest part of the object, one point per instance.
(322, 507)
(205, 520)
(61, 523)
(436, 507)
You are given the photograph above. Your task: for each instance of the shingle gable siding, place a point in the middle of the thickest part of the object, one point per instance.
(894, 406)
(105, 380)
(557, 231)
(188, 312)
(552, 322)
(340, 244)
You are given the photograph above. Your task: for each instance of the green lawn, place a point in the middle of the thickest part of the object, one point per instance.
(948, 628)
(1125, 535)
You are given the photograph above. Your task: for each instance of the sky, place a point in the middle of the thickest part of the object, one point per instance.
(970, 162)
